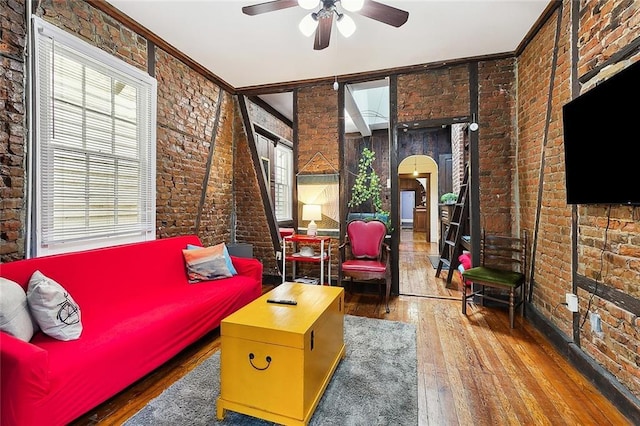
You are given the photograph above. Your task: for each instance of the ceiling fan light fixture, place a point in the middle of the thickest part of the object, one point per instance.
(308, 4)
(352, 5)
(346, 26)
(308, 25)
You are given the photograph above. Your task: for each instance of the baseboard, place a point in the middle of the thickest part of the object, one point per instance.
(606, 383)
(271, 279)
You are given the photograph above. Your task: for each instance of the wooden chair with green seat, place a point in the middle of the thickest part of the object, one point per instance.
(503, 265)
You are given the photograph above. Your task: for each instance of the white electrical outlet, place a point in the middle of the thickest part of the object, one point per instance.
(572, 302)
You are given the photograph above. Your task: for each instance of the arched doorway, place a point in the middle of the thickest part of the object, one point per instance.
(418, 181)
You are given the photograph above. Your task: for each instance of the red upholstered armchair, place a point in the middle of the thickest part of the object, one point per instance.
(364, 256)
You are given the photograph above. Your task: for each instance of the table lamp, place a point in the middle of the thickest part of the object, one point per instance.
(312, 212)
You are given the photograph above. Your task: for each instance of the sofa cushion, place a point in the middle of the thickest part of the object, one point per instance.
(53, 308)
(206, 264)
(15, 318)
(227, 257)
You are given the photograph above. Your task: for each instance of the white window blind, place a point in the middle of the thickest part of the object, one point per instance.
(283, 170)
(94, 145)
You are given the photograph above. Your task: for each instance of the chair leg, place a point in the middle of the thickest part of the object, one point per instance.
(512, 309)
(464, 298)
(386, 297)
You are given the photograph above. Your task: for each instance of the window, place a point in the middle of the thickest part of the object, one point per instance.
(283, 169)
(94, 145)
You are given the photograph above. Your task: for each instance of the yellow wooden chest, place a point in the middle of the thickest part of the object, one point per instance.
(276, 360)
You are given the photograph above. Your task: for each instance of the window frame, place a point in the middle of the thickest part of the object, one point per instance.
(276, 184)
(145, 154)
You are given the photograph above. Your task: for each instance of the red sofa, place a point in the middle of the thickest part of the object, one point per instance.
(138, 311)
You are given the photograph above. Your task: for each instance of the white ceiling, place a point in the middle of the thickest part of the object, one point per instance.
(265, 49)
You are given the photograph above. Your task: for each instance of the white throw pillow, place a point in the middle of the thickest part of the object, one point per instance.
(14, 311)
(55, 311)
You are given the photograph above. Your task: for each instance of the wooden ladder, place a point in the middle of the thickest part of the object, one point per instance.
(452, 247)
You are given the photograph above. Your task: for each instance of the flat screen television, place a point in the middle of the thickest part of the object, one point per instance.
(601, 141)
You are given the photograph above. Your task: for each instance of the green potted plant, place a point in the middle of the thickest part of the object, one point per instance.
(448, 198)
(366, 199)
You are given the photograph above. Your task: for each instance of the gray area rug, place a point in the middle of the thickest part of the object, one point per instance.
(435, 258)
(375, 384)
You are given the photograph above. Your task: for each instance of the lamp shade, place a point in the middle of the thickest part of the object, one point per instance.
(311, 212)
(346, 26)
(352, 5)
(308, 25)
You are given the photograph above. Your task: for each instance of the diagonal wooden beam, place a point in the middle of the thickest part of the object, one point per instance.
(354, 112)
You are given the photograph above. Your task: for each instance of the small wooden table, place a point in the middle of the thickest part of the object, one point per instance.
(277, 360)
(323, 257)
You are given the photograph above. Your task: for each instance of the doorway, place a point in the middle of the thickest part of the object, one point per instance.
(407, 207)
(420, 153)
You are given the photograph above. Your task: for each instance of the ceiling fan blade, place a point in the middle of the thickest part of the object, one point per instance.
(323, 32)
(384, 13)
(269, 6)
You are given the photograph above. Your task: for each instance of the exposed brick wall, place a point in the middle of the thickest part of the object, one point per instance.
(497, 145)
(186, 114)
(96, 28)
(318, 130)
(553, 252)
(251, 222)
(12, 134)
(438, 93)
(605, 28)
(318, 142)
(457, 149)
(217, 209)
(268, 121)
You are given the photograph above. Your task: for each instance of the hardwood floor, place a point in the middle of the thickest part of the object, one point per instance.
(472, 370)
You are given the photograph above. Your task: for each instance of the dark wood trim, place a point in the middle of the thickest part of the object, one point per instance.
(294, 181)
(271, 110)
(612, 295)
(606, 383)
(342, 177)
(620, 55)
(11, 56)
(364, 76)
(575, 91)
(395, 185)
(273, 137)
(545, 138)
(269, 213)
(207, 171)
(437, 122)
(474, 162)
(151, 58)
(542, 19)
(124, 19)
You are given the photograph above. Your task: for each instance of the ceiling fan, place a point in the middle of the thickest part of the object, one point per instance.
(322, 20)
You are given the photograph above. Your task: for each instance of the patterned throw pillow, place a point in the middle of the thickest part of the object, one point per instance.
(55, 311)
(15, 318)
(206, 264)
(227, 257)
